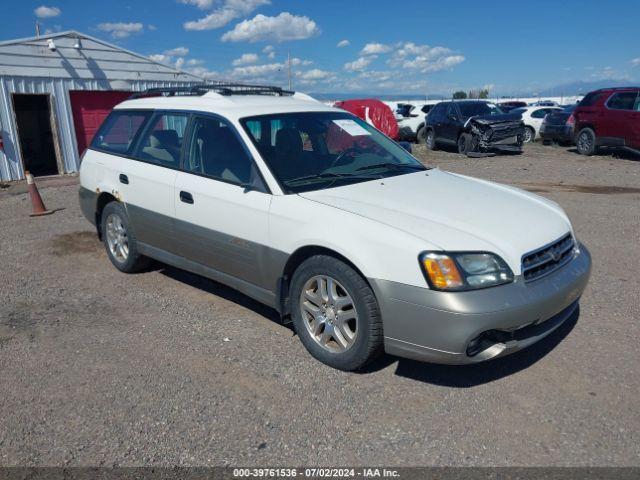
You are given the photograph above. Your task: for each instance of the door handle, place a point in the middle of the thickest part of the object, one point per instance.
(124, 179)
(186, 197)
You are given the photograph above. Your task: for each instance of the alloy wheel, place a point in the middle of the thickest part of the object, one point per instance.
(585, 142)
(329, 313)
(528, 137)
(117, 239)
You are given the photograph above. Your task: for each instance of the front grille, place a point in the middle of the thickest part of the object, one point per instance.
(547, 259)
(501, 132)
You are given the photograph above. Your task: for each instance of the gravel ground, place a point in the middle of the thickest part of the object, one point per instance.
(167, 368)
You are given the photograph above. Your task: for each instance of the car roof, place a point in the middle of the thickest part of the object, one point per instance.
(230, 106)
(615, 89)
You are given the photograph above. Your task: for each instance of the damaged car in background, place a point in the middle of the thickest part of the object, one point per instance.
(475, 127)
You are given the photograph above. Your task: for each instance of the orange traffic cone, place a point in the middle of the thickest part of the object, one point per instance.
(36, 200)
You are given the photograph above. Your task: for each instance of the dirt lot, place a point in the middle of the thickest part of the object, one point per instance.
(164, 367)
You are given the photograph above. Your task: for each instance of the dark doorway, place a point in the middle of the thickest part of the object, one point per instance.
(35, 134)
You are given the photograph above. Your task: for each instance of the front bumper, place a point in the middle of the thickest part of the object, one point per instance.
(440, 327)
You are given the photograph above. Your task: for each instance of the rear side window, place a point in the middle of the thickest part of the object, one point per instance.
(623, 101)
(119, 130)
(161, 143)
(591, 99)
(215, 151)
(540, 113)
(437, 112)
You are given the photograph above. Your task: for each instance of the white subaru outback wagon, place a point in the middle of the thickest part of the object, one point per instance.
(312, 211)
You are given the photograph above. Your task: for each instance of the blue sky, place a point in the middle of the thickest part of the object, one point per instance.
(387, 47)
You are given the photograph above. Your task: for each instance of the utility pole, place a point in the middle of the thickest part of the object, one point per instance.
(289, 67)
(37, 29)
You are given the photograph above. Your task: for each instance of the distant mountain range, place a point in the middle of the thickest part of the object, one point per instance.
(566, 89)
(583, 87)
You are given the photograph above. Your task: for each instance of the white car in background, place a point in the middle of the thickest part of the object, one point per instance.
(532, 118)
(312, 211)
(411, 121)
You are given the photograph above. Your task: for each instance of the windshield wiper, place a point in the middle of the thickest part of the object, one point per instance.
(391, 165)
(324, 175)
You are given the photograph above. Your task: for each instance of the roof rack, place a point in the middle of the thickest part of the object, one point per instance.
(221, 88)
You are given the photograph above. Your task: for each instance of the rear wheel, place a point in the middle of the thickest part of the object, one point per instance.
(421, 136)
(430, 139)
(119, 240)
(529, 134)
(335, 313)
(586, 142)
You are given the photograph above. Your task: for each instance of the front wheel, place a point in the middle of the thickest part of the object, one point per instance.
(586, 142)
(420, 136)
(430, 140)
(335, 313)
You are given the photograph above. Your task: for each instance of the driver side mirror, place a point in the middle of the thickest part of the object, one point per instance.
(453, 116)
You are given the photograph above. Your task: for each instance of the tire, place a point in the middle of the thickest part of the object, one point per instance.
(529, 135)
(420, 136)
(430, 139)
(119, 239)
(347, 344)
(586, 142)
(464, 142)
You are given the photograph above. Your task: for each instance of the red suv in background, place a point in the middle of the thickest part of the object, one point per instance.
(609, 117)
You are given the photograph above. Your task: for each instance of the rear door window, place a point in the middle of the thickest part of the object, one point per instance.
(161, 142)
(622, 101)
(216, 151)
(119, 130)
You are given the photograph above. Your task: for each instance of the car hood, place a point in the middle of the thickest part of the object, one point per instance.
(453, 212)
(496, 119)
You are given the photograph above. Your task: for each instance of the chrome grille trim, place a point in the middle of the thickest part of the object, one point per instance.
(547, 259)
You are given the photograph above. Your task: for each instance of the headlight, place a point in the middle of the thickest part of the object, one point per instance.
(464, 271)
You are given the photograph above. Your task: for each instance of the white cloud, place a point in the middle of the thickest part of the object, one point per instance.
(194, 62)
(177, 52)
(375, 49)
(256, 70)
(424, 58)
(343, 43)
(121, 30)
(297, 61)
(47, 12)
(427, 65)
(230, 10)
(203, 72)
(152, 28)
(201, 4)
(179, 63)
(635, 62)
(269, 51)
(245, 59)
(280, 28)
(359, 64)
(160, 58)
(315, 74)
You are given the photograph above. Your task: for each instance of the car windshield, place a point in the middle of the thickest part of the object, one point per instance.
(518, 110)
(471, 109)
(317, 150)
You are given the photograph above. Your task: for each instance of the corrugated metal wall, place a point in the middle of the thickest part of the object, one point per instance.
(10, 162)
